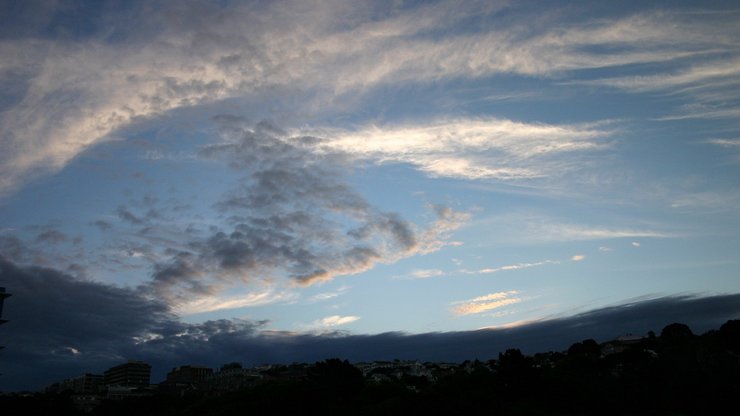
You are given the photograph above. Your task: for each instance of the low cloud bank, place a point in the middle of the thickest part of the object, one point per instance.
(61, 327)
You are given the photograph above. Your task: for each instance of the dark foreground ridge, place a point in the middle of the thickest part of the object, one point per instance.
(675, 373)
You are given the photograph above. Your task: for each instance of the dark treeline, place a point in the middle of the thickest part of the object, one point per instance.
(673, 373)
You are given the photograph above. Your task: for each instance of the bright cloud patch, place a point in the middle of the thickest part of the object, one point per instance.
(471, 148)
(485, 303)
(335, 320)
(424, 274)
(198, 304)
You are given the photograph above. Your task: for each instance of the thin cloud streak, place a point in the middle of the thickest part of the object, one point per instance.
(726, 71)
(516, 266)
(729, 143)
(703, 114)
(528, 229)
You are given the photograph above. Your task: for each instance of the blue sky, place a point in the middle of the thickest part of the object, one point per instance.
(324, 166)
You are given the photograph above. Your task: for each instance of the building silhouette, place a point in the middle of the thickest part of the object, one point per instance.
(131, 374)
(189, 374)
(83, 384)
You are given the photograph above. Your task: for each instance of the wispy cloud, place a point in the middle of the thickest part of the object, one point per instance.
(578, 232)
(471, 148)
(324, 296)
(333, 321)
(701, 113)
(232, 50)
(522, 228)
(707, 201)
(210, 303)
(516, 266)
(485, 303)
(728, 143)
(426, 273)
(724, 71)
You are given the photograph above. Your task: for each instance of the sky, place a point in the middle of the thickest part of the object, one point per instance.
(202, 182)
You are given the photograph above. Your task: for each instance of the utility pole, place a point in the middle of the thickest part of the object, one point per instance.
(3, 295)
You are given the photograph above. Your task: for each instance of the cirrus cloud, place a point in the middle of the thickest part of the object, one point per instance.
(197, 53)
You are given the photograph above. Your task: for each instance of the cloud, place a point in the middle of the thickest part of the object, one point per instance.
(426, 273)
(703, 113)
(707, 201)
(292, 217)
(324, 296)
(522, 228)
(571, 232)
(53, 311)
(60, 327)
(578, 257)
(635, 244)
(48, 247)
(711, 81)
(174, 57)
(576, 232)
(126, 215)
(334, 320)
(102, 225)
(51, 236)
(199, 304)
(470, 148)
(516, 266)
(719, 74)
(728, 143)
(485, 303)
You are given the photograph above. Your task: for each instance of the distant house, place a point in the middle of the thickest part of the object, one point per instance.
(232, 377)
(186, 378)
(620, 344)
(85, 384)
(188, 374)
(628, 339)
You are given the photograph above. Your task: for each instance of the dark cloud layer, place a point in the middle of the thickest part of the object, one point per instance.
(61, 327)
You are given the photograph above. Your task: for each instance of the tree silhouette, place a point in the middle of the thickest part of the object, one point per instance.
(336, 375)
(676, 331)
